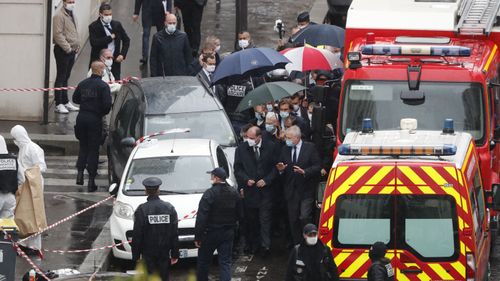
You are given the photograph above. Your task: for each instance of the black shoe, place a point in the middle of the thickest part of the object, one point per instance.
(29, 251)
(144, 61)
(91, 187)
(265, 252)
(79, 178)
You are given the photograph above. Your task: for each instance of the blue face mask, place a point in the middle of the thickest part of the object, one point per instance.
(270, 128)
(269, 107)
(284, 114)
(289, 143)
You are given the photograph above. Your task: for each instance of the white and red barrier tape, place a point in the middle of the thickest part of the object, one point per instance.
(124, 80)
(23, 255)
(67, 218)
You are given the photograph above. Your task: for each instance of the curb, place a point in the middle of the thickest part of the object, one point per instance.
(55, 144)
(98, 260)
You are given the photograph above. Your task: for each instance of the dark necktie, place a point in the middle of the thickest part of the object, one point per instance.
(294, 155)
(210, 77)
(257, 153)
(108, 27)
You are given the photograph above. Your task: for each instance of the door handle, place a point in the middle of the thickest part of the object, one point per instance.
(411, 270)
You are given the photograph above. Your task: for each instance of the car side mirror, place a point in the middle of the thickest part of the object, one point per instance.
(113, 189)
(128, 142)
(494, 197)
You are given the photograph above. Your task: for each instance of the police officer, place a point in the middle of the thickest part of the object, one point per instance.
(311, 260)
(381, 268)
(218, 214)
(94, 98)
(155, 234)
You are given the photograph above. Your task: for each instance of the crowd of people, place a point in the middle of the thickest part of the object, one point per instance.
(285, 152)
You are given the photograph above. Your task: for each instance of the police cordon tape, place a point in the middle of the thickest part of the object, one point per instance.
(122, 81)
(190, 215)
(67, 219)
(23, 254)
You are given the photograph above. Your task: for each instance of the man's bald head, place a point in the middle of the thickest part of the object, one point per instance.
(170, 19)
(97, 67)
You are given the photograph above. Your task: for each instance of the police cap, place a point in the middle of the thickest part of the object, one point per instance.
(302, 17)
(219, 172)
(151, 183)
(310, 228)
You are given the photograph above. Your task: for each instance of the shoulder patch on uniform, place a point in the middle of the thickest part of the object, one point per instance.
(390, 271)
(7, 164)
(159, 219)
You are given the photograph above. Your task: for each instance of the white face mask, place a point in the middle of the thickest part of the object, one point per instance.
(107, 19)
(171, 28)
(217, 49)
(70, 6)
(210, 68)
(251, 142)
(108, 63)
(311, 241)
(296, 107)
(243, 43)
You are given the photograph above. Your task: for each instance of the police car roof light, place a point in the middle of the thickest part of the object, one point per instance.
(416, 50)
(405, 150)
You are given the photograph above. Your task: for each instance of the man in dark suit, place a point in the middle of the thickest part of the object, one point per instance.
(106, 33)
(254, 163)
(208, 62)
(170, 51)
(298, 108)
(300, 165)
(153, 13)
(286, 109)
(192, 12)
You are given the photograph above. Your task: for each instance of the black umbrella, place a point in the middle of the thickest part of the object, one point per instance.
(321, 34)
(248, 62)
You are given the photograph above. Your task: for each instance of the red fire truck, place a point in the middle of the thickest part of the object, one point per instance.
(427, 60)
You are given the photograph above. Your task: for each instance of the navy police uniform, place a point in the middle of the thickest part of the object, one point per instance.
(218, 214)
(155, 234)
(381, 268)
(94, 97)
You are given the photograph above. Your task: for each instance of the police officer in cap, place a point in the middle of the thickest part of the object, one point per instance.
(311, 260)
(218, 214)
(381, 268)
(155, 235)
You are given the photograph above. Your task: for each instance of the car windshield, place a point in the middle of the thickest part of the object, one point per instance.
(426, 226)
(207, 125)
(381, 101)
(179, 174)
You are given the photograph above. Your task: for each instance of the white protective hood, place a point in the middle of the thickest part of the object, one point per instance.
(3, 146)
(30, 154)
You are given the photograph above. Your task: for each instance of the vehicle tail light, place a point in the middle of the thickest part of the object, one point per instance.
(470, 271)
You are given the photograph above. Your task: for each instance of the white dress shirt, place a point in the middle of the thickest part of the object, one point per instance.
(111, 46)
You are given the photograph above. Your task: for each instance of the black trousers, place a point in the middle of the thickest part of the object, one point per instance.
(64, 64)
(157, 266)
(299, 214)
(116, 69)
(88, 131)
(192, 14)
(258, 221)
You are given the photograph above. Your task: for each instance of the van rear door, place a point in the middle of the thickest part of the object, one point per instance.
(428, 201)
(358, 210)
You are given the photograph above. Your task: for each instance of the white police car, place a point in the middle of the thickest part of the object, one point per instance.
(182, 165)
